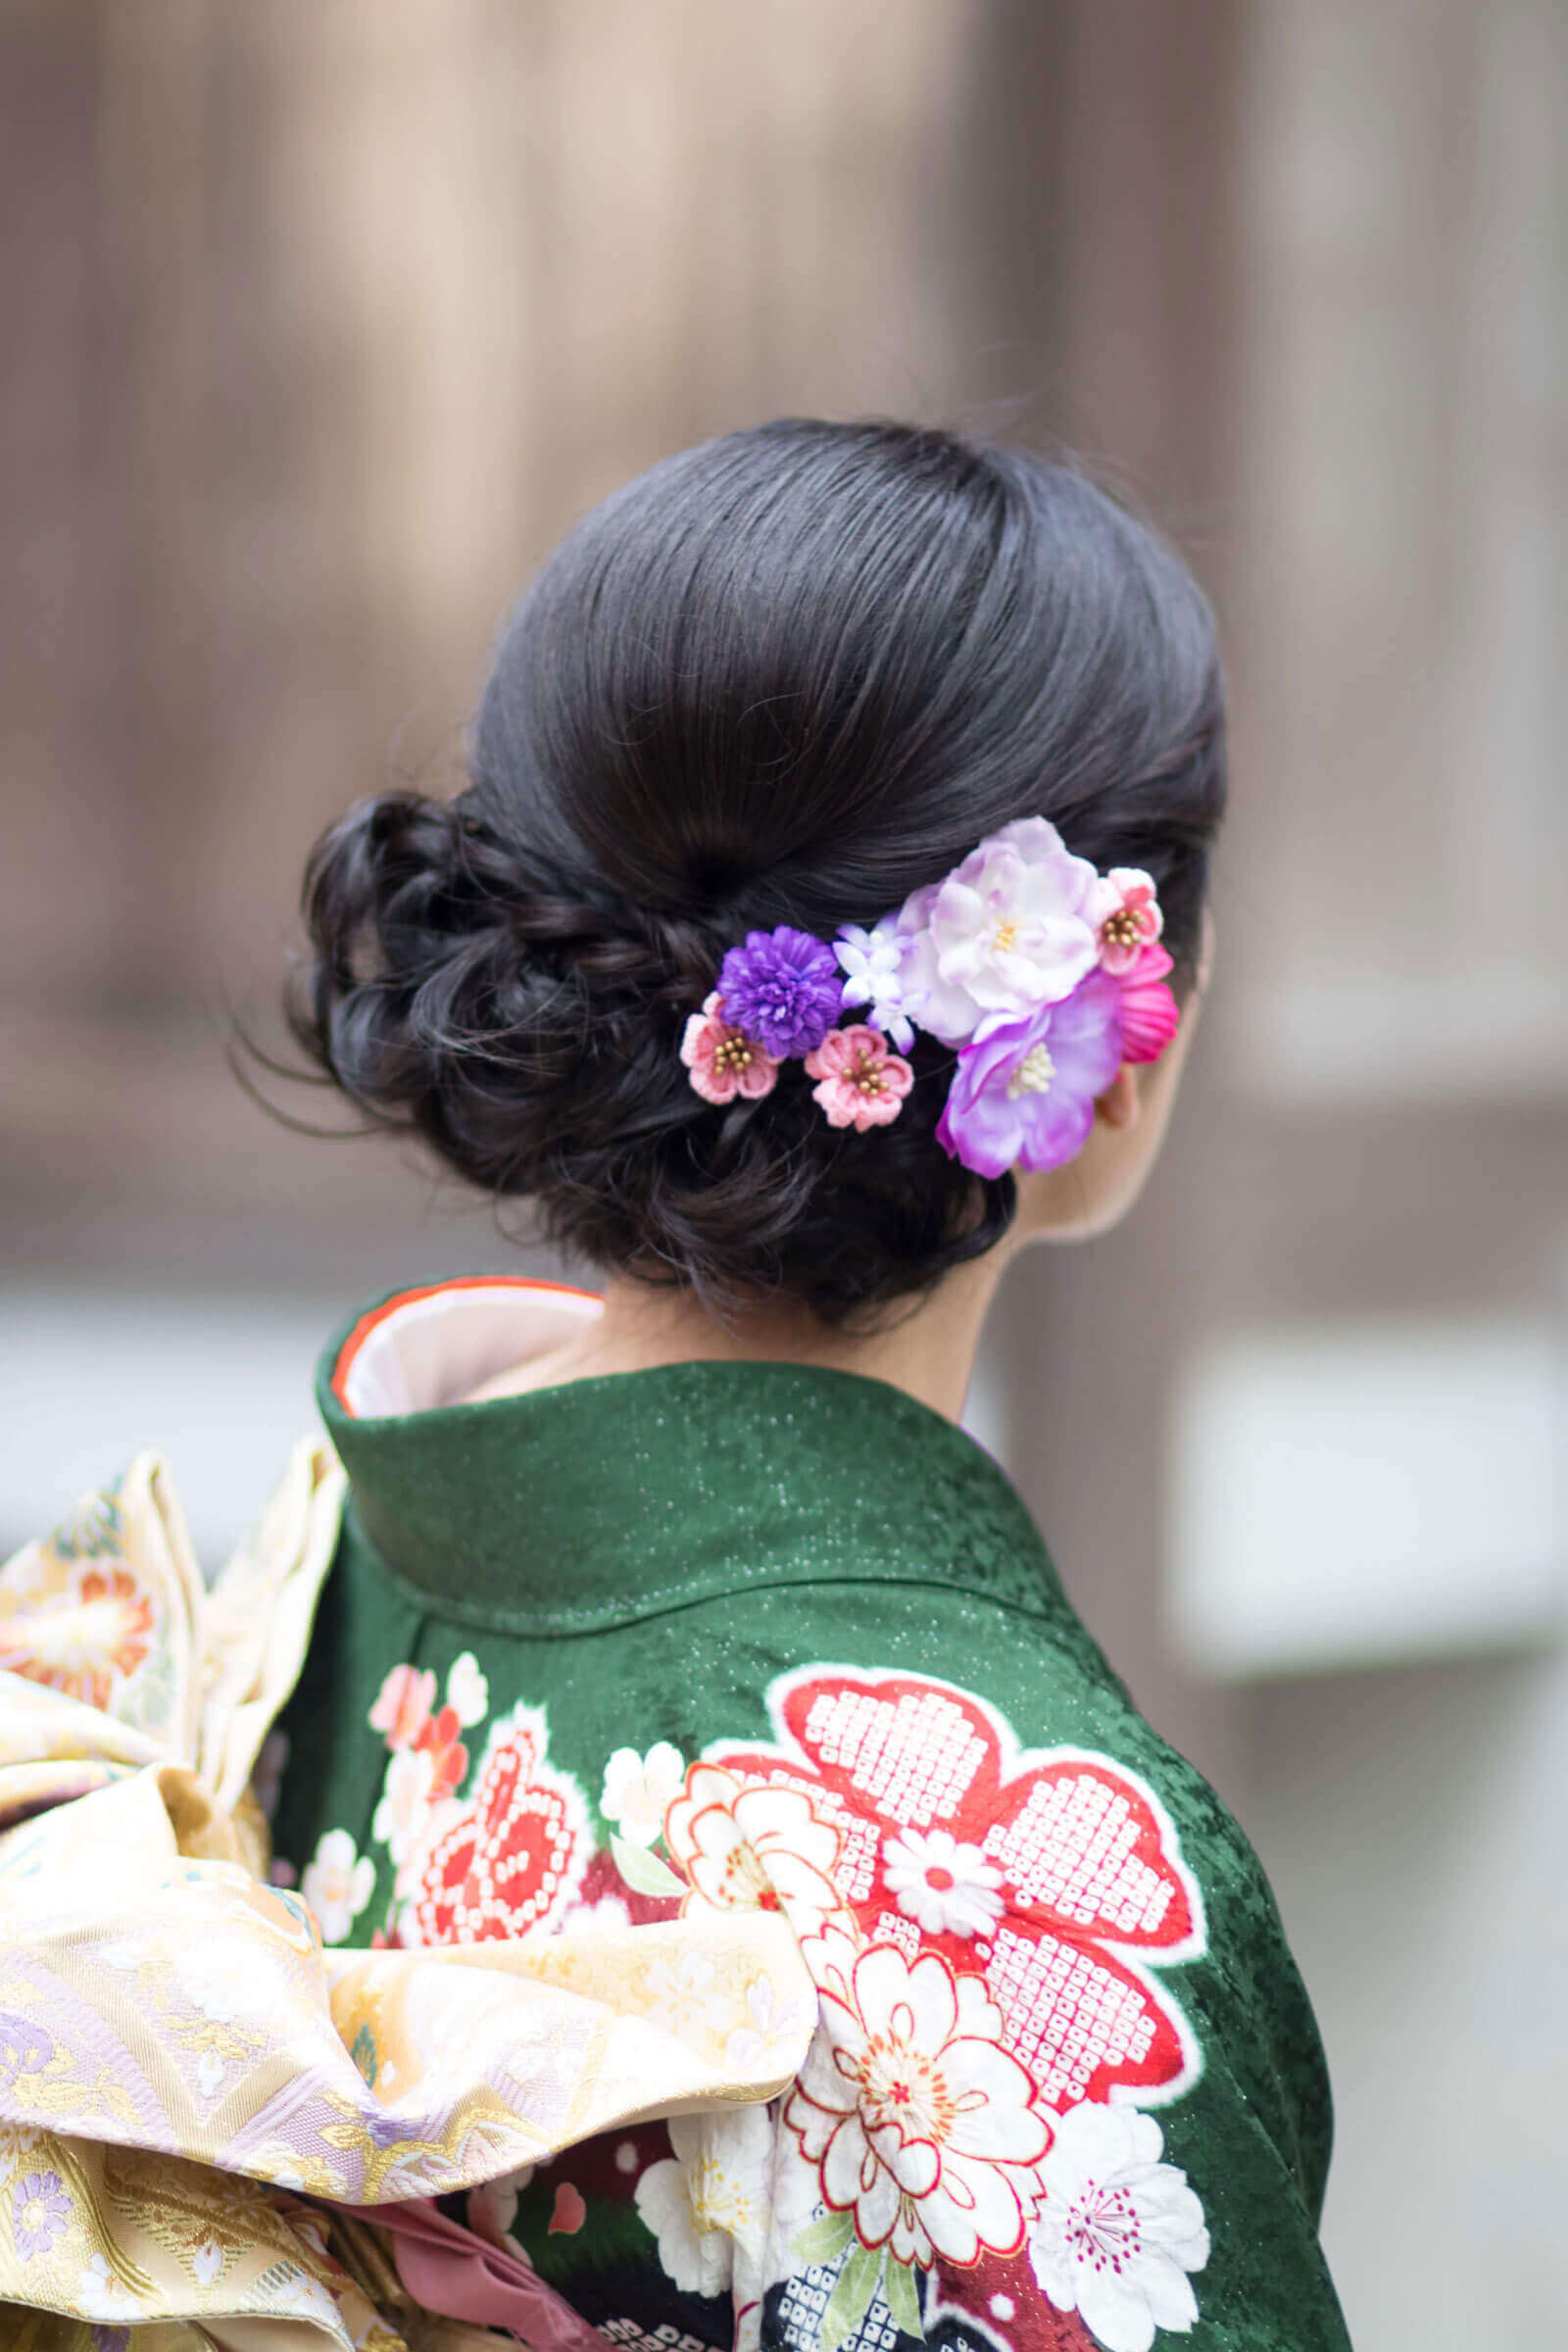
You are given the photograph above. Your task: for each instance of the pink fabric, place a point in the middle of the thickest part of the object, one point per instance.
(460, 2275)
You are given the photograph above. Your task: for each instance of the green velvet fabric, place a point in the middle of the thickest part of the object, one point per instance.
(651, 1558)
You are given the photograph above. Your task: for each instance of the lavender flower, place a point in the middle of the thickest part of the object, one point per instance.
(1025, 1095)
(39, 2211)
(1004, 932)
(783, 989)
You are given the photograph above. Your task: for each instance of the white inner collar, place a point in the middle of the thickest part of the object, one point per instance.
(436, 1346)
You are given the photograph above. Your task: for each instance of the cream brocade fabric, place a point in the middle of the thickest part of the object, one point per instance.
(183, 2065)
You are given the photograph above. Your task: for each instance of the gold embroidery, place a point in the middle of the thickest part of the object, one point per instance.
(162, 2004)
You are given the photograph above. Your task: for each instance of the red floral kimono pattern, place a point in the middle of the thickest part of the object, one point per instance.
(980, 1921)
(969, 2134)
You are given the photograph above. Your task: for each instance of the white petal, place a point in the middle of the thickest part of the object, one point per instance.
(1172, 2300)
(1115, 2311)
(848, 2168)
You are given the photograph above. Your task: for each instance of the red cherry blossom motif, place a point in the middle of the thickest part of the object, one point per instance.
(1092, 1884)
(515, 1857)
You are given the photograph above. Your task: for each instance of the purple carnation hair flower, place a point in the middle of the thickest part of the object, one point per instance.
(1024, 1096)
(783, 988)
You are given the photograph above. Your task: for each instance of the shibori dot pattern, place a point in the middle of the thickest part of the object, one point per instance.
(1067, 2018)
(1094, 1890)
(913, 1758)
(1074, 1846)
(515, 1857)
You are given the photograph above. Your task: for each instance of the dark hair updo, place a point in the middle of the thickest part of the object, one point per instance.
(787, 677)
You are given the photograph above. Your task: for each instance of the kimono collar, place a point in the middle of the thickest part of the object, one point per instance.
(601, 1501)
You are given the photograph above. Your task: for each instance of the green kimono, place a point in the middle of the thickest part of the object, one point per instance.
(762, 1635)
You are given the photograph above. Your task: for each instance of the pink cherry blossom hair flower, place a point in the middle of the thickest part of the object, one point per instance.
(722, 1060)
(1124, 914)
(862, 1083)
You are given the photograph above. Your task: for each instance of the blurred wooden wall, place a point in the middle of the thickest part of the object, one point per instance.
(332, 315)
(327, 321)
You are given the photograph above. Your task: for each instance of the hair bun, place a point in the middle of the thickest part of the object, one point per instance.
(787, 678)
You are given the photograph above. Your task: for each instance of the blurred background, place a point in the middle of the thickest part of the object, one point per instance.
(324, 318)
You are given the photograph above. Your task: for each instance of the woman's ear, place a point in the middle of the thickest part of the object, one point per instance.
(1119, 1105)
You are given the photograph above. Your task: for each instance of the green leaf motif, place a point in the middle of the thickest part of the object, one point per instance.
(903, 2298)
(823, 2241)
(850, 2299)
(642, 1871)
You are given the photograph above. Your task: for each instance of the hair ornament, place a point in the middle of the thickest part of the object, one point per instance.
(1042, 976)
(783, 989)
(722, 1060)
(861, 1084)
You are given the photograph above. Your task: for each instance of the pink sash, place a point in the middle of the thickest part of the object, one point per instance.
(460, 2275)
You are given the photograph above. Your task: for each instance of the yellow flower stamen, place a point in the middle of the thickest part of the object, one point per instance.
(1033, 1074)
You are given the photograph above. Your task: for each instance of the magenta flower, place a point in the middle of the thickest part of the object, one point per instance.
(1124, 916)
(783, 989)
(1149, 1011)
(723, 1061)
(1025, 1095)
(862, 1084)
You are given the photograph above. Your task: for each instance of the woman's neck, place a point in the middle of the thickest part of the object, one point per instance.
(929, 1353)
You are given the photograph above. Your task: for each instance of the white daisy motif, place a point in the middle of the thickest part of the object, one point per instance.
(337, 1884)
(467, 1691)
(639, 1788)
(924, 2128)
(709, 2202)
(946, 1888)
(1118, 2230)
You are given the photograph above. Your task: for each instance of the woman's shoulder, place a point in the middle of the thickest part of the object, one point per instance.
(1011, 1733)
(996, 1870)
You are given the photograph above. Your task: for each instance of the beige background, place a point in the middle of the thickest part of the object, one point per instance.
(324, 318)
